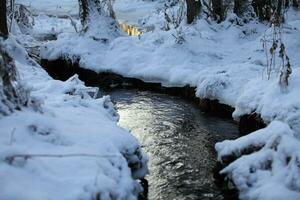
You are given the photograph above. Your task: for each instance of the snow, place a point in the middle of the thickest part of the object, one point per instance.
(131, 11)
(271, 173)
(268, 99)
(207, 60)
(70, 148)
(224, 62)
(53, 25)
(53, 7)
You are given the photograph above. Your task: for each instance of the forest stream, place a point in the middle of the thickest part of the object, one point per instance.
(178, 139)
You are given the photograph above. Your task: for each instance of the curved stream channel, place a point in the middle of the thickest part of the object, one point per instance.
(179, 140)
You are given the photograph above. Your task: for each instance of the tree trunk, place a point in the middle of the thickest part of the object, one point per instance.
(295, 3)
(279, 8)
(263, 9)
(218, 10)
(279, 18)
(83, 11)
(240, 7)
(193, 9)
(12, 95)
(3, 22)
(88, 7)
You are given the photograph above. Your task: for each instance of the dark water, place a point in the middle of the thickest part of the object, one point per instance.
(179, 141)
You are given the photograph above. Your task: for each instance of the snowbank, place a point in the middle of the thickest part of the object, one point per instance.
(225, 62)
(270, 173)
(72, 148)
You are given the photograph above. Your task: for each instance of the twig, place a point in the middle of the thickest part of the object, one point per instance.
(12, 136)
(11, 158)
(73, 23)
(13, 15)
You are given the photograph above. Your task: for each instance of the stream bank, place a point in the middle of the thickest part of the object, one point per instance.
(63, 69)
(221, 187)
(167, 122)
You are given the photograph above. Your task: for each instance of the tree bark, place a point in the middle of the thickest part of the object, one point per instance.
(240, 7)
(218, 10)
(193, 10)
(12, 95)
(295, 3)
(263, 9)
(279, 8)
(3, 22)
(83, 11)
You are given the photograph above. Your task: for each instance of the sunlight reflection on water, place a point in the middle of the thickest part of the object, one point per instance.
(179, 141)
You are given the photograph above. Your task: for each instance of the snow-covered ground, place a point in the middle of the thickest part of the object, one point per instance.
(131, 11)
(71, 147)
(224, 62)
(52, 7)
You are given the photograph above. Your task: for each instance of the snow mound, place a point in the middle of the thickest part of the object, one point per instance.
(272, 102)
(72, 148)
(272, 171)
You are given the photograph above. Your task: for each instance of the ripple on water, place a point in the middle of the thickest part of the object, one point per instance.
(178, 139)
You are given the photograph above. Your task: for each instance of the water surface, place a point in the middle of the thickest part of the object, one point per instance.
(179, 140)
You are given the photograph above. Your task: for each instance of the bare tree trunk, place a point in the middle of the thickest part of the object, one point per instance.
(83, 11)
(3, 22)
(264, 9)
(240, 7)
(218, 10)
(193, 9)
(279, 7)
(295, 3)
(89, 7)
(12, 95)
